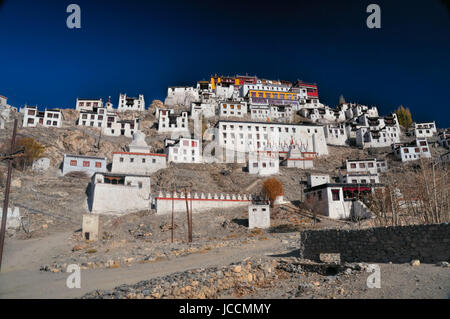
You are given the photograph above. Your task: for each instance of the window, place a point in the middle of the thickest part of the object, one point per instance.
(73, 163)
(98, 164)
(335, 193)
(131, 160)
(86, 164)
(362, 165)
(353, 165)
(121, 159)
(153, 160)
(370, 164)
(143, 160)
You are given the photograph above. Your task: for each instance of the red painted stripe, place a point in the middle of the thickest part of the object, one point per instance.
(204, 199)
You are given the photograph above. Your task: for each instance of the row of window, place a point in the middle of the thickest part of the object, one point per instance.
(95, 104)
(85, 163)
(264, 128)
(143, 160)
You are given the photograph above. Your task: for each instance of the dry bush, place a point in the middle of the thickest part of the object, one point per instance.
(33, 150)
(77, 174)
(413, 195)
(272, 188)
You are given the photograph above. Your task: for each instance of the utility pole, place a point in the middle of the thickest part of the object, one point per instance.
(10, 158)
(173, 194)
(190, 216)
(187, 215)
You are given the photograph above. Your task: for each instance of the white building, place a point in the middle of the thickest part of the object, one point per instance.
(336, 134)
(258, 216)
(169, 121)
(363, 171)
(445, 158)
(315, 179)
(425, 129)
(181, 95)
(367, 138)
(183, 150)
(116, 127)
(236, 138)
(138, 160)
(232, 108)
(263, 163)
(5, 111)
(340, 201)
(119, 194)
(355, 110)
(127, 103)
(199, 109)
(444, 138)
(271, 87)
(88, 104)
(48, 118)
(95, 118)
(81, 163)
(412, 151)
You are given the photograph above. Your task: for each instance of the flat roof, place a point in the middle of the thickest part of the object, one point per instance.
(327, 185)
(143, 154)
(85, 156)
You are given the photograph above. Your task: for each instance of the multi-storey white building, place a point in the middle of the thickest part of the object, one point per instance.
(336, 134)
(412, 151)
(169, 121)
(230, 108)
(183, 150)
(96, 118)
(263, 163)
(48, 118)
(236, 138)
(181, 95)
(444, 138)
(273, 87)
(88, 104)
(360, 172)
(367, 138)
(127, 103)
(116, 127)
(283, 113)
(354, 110)
(425, 129)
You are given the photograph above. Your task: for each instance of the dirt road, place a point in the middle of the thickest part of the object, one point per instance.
(21, 278)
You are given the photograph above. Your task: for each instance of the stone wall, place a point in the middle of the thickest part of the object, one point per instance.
(397, 244)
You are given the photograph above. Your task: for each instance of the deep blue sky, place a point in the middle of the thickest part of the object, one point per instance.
(143, 47)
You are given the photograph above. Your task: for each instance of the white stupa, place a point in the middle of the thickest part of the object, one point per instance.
(138, 145)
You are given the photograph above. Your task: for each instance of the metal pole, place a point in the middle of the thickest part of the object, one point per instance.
(6, 201)
(172, 212)
(187, 213)
(190, 217)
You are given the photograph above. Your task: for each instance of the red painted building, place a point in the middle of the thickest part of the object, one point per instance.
(311, 89)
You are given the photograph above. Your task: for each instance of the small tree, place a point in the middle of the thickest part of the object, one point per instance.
(272, 188)
(404, 116)
(32, 151)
